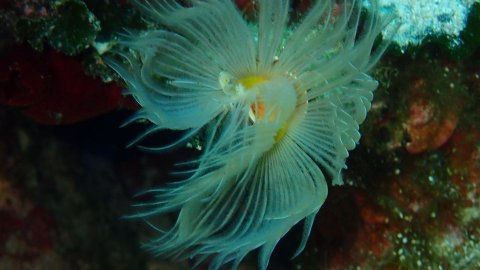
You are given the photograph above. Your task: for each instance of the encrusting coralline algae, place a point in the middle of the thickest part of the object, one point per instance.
(280, 113)
(417, 19)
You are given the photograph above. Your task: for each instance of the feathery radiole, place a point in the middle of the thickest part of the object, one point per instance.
(280, 105)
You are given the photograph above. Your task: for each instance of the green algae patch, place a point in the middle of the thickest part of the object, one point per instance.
(67, 26)
(81, 24)
(29, 28)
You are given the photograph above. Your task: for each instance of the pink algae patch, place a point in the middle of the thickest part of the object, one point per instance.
(26, 230)
(429, 125)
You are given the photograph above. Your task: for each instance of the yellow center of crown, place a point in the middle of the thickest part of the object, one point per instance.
(232, 86)
(281, 132)
(251, 81)
(257, 112)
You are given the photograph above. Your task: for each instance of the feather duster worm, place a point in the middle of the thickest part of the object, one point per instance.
(280, 107)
